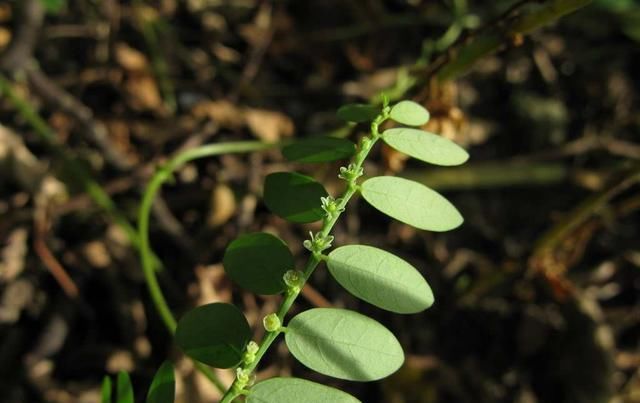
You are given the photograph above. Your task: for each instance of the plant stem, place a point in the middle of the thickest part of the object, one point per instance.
(237, 388)
(146, 254)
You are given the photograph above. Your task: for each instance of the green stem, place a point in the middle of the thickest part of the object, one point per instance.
(237, 388)
(146, 254)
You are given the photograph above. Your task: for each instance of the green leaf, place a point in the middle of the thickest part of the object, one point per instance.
(294, 197)
(380, 278)
(343, 344)
(106, 390)
(53, 6)
(163, 386)
(257, 262)
(296, 390)
(319, 149)
(215, 334)
(425, 146)
(358, 112)
(409, 113)
(124, 390)
(411, 203)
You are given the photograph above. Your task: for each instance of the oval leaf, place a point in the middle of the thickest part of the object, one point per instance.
(319, 149)
(105, 391)
(163, 386)
(411, 202)
(215, 334)
(124, 390)
(358, 112)
(343, 344)
(380, 278)
(296, 390)
(409, 113)
(257, 262)
(294, 197)
(425, 146)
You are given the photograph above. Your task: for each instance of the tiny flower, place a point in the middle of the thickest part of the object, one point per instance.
(350, 173)
(271, 322)
(293, 279)
(242, 375)
(318, 242)
(250, 352)
(331, 206)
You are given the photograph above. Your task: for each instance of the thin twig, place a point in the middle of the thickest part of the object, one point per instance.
(52, 264)
(41, 225)
(256, 55)
(26, 36)
(96, 132)
(19, 59)
(79, 173)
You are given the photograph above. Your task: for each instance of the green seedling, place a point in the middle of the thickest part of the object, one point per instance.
(335, 342)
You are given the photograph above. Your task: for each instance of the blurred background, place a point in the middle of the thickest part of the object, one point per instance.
(537, 294)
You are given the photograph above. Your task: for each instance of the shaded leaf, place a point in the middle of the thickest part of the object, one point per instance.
(163, 386)
(409, 113)
(257, 262)
(343, 344)
(358, 112)
(411, 202)
(214, 334)
(105, 391)
(425, 146)
(380, 278)
(296, 390)
(53, 6)
(294, 197)
(124, 390)
(319, 149)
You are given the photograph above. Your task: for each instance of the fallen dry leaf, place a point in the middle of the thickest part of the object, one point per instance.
(143, 92)
(131, 59)
(269, 126)
(222, 112)
(223, 205)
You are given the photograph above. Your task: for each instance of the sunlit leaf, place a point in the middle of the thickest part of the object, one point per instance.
(257, 262)
(343, 344)
(124, 390)
(214, 334)
(409, 113)
(380, 278)
(425, 146)
(411, 202)
(319, 149)
(294, 197)
(296, 390)
(163, 386)
(358, 112)
(105, 391)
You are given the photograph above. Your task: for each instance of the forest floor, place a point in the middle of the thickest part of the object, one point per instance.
(537, 294)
